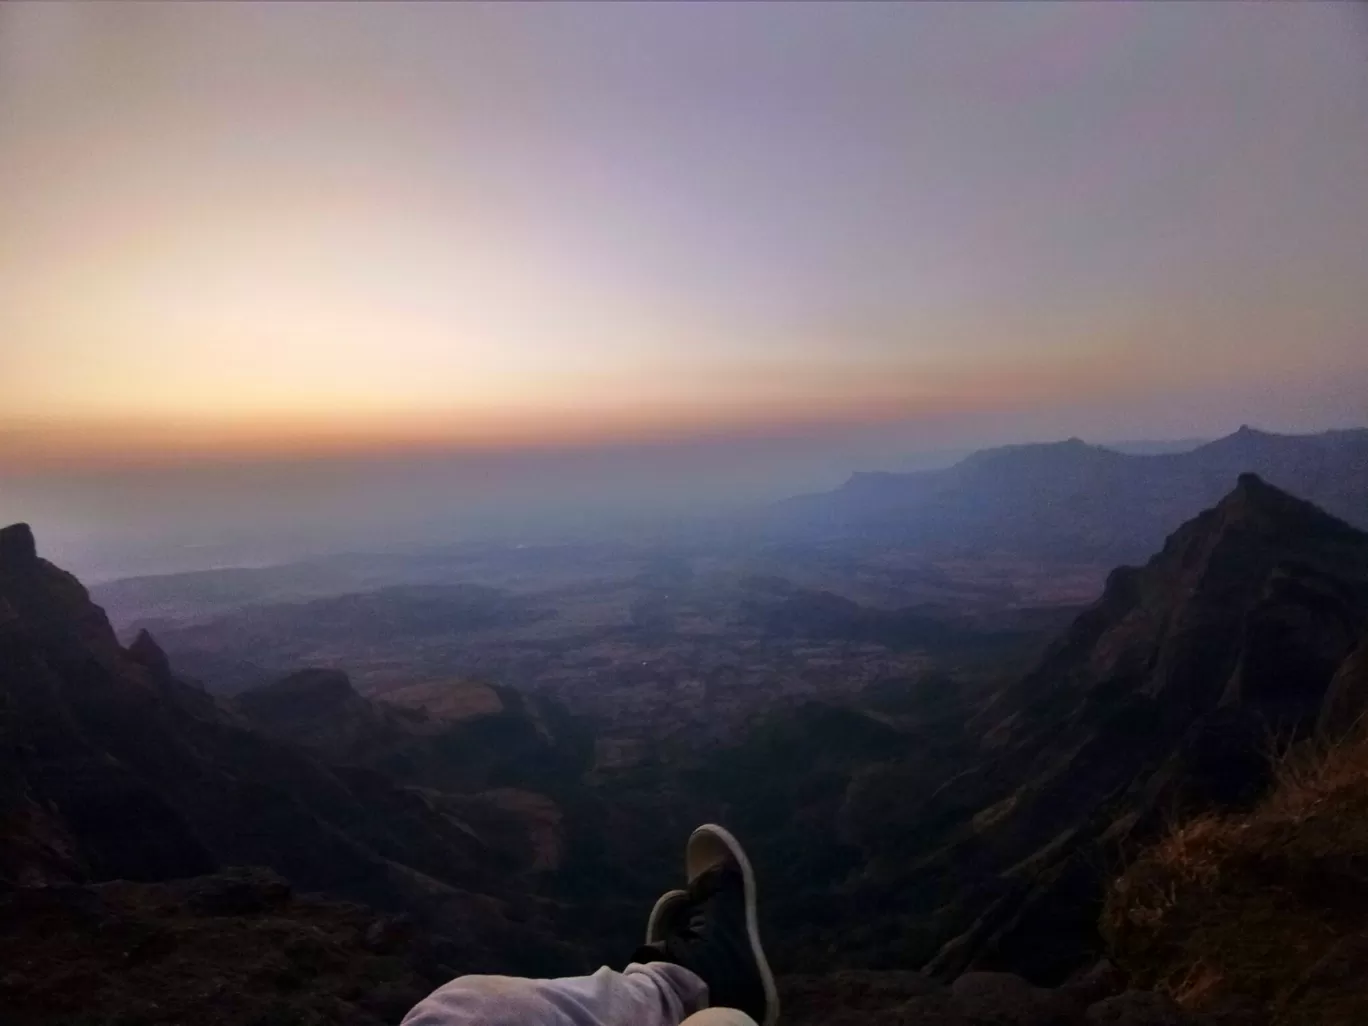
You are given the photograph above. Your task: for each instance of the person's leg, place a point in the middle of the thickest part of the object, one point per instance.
(653, 994)
(702, 948)
(719, 1017)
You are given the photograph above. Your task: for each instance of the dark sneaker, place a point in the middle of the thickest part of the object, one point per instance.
(711, 928)
(665, 915)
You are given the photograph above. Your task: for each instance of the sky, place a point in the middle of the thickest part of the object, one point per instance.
(724, 248)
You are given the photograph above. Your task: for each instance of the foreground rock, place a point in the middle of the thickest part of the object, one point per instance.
(1138, 1008)
(1260, 917)
(233, 949)
(858, 998)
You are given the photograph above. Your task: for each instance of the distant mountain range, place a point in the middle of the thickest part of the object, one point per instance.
(1075, 500)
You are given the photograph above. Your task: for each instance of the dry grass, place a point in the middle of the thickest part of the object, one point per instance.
(1271, 906)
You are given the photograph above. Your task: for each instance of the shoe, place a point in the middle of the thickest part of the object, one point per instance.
(712, 930)
(662, 919)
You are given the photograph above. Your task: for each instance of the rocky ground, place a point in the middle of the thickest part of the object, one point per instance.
(231, 949)
(1268, 908)
(1098, 997)
(240, 948)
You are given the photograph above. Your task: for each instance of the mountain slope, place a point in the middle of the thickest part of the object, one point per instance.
(464, 737)
(1267, 907)
(1160, 699)
(1073, 499)
(113, 768)
(983, 839)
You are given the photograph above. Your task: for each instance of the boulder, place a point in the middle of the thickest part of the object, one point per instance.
(1004, 999)
(1138, 1008)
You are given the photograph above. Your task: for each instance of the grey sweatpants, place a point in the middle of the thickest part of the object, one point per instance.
(654, 994)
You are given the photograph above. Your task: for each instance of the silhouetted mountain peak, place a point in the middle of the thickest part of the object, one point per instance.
(1223, 555)
(145, 651)
(1159, 699)
(1252, 494)
(1263, 512)
(17, 548)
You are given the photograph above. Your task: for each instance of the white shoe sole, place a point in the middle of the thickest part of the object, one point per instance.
(659, 911)
(709, 845)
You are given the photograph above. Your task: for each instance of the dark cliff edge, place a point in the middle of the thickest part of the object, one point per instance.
(115, 769)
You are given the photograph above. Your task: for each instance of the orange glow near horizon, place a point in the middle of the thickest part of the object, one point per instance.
(275, 231)
(764, 402)
(129, 441)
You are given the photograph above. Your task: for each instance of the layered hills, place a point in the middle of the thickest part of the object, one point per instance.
(1072, 499)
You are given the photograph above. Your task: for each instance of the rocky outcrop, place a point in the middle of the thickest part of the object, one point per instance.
(1347, 697)
(981, 837)
(1161, 698)
(861, 998)
(114, 769)
(238, 948)
(145, 651)
(17, 547)
(498, 738)
(320, 710)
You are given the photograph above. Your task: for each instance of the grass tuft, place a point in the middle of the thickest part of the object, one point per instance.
(1271, 905)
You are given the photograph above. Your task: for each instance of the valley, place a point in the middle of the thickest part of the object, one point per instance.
(661, 646)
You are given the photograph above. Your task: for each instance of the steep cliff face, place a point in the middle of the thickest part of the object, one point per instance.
(67, 688)
(1163, 698)
(114, 769)
(1245, 615)
(983, 841)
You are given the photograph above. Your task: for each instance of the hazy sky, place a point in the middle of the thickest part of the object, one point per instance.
(296, 226)
(279, 230)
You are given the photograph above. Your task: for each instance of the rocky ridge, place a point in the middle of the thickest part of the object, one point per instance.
(980, 837)
(115, 769)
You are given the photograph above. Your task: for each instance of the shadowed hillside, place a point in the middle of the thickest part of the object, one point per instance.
(114, 769)
(983, 838)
